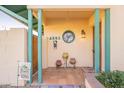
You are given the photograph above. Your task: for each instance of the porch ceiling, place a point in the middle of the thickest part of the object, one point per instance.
(65, 13)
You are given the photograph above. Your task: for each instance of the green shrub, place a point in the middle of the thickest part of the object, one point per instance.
(114, 79)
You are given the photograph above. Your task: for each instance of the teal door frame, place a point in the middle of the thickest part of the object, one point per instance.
(30, 28)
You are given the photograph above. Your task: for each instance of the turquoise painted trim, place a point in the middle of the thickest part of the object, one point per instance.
(107, 40)
(5, 10)
(40, 46)
(30, 28)
(97, 41)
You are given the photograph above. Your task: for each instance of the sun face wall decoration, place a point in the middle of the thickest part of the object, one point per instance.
(68, 36)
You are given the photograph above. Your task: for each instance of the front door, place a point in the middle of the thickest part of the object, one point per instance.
(93, 50)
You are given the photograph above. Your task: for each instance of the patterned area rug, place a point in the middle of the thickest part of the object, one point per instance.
(64, 86)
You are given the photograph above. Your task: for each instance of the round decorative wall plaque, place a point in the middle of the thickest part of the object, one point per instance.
(68, 36)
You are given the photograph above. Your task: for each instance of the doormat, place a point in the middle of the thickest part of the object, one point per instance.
(64, 86)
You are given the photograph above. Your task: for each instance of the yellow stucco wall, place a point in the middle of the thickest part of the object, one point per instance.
(81, 48)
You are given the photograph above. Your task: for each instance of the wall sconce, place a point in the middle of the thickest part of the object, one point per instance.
(83, 34)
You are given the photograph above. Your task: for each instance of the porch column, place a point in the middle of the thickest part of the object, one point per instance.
(30, 27)
(107, 40)
(39, 46)
(97, 41)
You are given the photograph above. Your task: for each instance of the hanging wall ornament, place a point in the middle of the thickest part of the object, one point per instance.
(55, 44)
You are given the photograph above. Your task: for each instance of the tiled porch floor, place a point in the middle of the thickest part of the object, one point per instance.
(61, 76)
